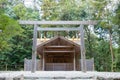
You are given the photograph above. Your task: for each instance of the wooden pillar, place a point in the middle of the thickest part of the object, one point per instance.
(43, 67)
(83, 58)
(74, 61)
(34, 49)
(41, 35)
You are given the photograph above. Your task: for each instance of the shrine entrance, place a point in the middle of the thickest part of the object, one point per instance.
(61, 62)
(59, 54)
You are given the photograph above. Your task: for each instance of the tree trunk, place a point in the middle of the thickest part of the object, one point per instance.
(111, 50)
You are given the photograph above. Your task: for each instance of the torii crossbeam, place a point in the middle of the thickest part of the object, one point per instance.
(58, 22)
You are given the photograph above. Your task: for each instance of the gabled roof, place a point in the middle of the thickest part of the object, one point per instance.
(59, 40)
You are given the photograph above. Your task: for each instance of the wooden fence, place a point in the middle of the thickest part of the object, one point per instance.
(90, 64)
(28, 65)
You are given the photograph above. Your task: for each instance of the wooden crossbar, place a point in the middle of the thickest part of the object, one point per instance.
(57, 29)
(59, 22)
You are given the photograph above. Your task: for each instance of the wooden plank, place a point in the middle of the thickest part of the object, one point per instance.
(28, 65)
(58, 46)
(90, 64)
(43, 68)
(59, 66)
(59, 22)
(82, 47)
(58, 29)
(74, 60)
(34, 49)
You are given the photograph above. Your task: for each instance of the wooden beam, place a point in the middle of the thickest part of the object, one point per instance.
(74, 60)
(57, 29)
(34, 49)
(59, 22)
(43, 65)
(82, 47)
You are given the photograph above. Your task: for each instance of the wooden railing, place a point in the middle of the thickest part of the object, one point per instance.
(58, 66)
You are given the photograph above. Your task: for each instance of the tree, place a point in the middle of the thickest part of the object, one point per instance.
(17, 38)
(21, 48)
(105, 15)
(9, 29)
(116, 21)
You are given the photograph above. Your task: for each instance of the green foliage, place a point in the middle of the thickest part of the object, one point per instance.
(15, 42)
(2, 6)
(90, 43)
(24, 13)
(116, 21)
(21, 48)
(103, 59)
(9, 29)
(62, 10)
(20, 11)
(116, 18)
(32, 15)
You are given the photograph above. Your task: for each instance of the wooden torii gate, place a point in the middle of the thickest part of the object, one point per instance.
(36, 28)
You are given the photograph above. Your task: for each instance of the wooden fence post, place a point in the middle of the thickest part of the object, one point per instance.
(6, 67)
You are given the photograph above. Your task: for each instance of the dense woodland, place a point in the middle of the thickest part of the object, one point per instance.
(102, 41)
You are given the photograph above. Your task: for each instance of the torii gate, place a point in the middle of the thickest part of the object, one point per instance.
(36, 28)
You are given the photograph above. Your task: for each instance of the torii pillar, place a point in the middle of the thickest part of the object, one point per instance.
(34, 49)
(82, 48)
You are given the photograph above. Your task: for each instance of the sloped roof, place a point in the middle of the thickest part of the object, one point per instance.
(59, 40)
